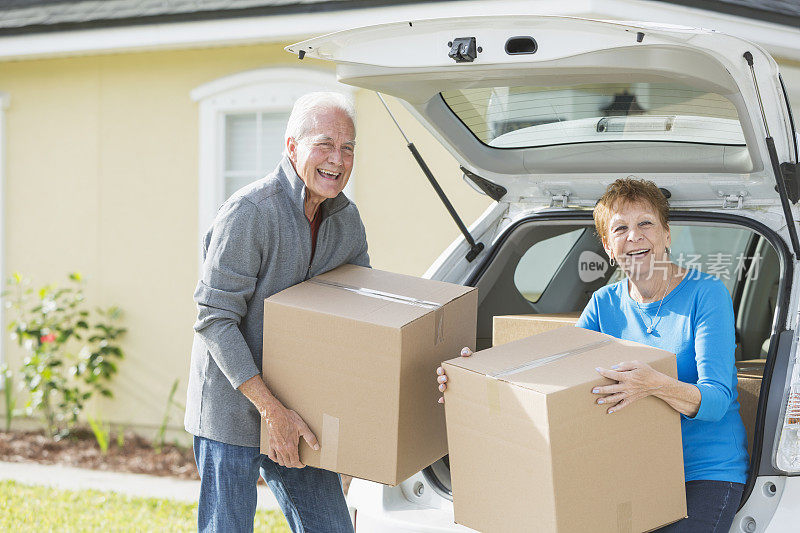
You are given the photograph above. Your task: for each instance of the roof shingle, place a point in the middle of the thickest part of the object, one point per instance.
(32, 16)
(29, 16)
(778, 11)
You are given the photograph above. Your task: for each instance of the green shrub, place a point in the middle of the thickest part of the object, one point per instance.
(7, 382)
(71, 353)
(158, 441)
(102, 433)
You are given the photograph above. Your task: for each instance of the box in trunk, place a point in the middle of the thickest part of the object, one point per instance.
(507, 328)
(749, 376)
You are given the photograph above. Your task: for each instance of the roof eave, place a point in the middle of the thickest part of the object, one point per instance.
(739, 10)
(210, 15)
(780, 40)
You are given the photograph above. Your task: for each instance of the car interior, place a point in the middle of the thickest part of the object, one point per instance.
(535, 269)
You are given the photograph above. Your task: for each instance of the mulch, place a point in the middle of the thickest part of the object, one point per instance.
(81, 450)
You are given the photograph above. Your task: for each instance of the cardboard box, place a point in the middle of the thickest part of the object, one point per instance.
(530, 450)
(354, 351)
(749, 375)
(507, 328)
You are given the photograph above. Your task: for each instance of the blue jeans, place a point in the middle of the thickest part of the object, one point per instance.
(311, 499)
(711, 506)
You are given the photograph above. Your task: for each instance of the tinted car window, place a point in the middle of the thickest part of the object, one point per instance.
(540, 263)
(530, 116)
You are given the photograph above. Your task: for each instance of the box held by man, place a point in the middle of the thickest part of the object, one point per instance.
(354, 352)
(530, 450)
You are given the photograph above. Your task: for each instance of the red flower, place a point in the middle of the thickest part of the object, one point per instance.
(50, 337)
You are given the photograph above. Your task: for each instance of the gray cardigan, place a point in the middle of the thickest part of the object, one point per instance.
(260, 244)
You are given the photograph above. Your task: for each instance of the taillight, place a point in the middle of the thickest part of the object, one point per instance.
(788, 455)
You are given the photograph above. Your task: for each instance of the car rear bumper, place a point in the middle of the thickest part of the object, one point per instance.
(412, 506)
(406, 521)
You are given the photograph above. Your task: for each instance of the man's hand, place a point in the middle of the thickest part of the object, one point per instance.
(285, 430)
(285, 426)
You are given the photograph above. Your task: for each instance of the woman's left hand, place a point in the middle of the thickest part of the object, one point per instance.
(635, 380)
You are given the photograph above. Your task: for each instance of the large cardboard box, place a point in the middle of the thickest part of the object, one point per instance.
(507, 328)
(354, 352)
(530, 450)
(749, 375)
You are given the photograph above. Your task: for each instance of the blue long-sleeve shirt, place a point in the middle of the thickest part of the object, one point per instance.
(696, 323)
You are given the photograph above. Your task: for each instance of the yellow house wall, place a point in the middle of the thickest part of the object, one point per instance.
(102, 178)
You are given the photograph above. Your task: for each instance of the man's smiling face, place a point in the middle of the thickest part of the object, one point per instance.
(323, 156)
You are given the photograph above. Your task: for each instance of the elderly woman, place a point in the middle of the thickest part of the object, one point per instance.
(684, 312)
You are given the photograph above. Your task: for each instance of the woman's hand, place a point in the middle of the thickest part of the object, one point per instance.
(442, 377)
(635, 380)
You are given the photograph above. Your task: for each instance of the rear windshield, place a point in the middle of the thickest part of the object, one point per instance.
(524, 117)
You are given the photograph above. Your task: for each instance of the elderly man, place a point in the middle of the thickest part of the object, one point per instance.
(292, 225)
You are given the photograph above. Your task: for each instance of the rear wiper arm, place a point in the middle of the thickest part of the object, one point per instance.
(474, 248)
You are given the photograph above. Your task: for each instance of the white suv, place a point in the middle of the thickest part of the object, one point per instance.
(543, 113)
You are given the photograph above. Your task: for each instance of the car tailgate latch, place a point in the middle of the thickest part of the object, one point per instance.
(463, 49)
(733, 201)
(559, 200)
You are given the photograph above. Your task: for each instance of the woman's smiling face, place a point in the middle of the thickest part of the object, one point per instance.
(637, 240)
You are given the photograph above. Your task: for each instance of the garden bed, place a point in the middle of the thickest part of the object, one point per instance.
(81, 450)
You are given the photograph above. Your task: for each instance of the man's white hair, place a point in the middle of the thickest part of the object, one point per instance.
(308, 106)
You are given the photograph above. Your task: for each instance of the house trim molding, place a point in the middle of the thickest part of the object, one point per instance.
(779, 39)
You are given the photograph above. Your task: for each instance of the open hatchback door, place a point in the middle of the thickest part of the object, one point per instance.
(554, 109)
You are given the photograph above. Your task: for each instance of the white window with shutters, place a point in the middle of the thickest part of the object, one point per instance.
(242, 123)
(253, 147)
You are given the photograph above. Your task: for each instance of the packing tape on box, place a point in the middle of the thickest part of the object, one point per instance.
(493, 395)
(397, 298)
(438, 317)
(549, 359)
(625, 517)
(329, 447)
(493, 381)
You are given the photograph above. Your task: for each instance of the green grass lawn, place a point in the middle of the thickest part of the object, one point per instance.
(30, 508)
